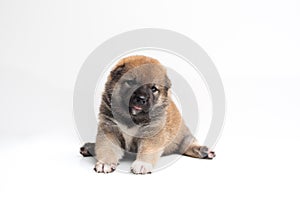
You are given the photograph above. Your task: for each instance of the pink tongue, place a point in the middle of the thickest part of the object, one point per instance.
(137, 108)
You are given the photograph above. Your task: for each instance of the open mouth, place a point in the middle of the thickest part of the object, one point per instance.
(136, 110)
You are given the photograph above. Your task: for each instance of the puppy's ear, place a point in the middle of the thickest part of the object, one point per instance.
(168, 83)
(118, 72)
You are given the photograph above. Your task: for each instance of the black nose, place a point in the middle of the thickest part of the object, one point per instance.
(140, 99)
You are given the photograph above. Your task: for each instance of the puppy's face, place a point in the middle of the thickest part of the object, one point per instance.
(141, 92)
(143, 98)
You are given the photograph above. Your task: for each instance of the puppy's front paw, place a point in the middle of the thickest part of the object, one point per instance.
(101, 167)
(205, 153)
(140, 167)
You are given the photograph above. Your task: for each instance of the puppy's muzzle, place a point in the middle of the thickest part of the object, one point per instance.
(140, 99)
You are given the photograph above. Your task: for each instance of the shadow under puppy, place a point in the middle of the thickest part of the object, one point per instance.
(138, 115)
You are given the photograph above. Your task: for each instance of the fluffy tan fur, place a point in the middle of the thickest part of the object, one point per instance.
(173, 136)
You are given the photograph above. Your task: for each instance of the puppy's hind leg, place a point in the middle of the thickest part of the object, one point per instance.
(192, 148)
(88, 149)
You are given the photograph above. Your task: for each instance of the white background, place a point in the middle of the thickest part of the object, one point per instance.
(255, 46)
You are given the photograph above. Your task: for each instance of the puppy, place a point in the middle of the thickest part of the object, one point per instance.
(138, 115)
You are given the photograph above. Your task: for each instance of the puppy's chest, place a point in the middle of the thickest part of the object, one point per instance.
(129, 135)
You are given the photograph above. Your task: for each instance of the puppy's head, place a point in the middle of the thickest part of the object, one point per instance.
(139, 89)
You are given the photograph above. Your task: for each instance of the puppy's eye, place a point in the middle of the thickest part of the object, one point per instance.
(130, 82)
(154, 89)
